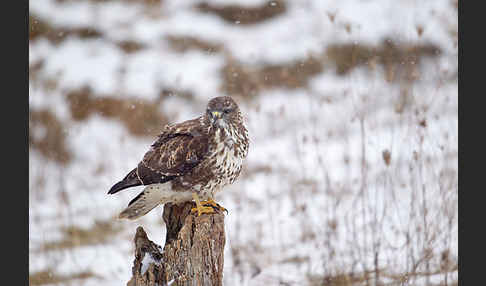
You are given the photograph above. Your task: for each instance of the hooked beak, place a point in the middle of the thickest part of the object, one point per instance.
(216, 114)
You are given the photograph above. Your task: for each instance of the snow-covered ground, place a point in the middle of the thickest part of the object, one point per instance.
(347, 176)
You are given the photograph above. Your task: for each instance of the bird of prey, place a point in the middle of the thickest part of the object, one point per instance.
(190, 160)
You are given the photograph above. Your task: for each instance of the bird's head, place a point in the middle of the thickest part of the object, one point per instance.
(222, 110)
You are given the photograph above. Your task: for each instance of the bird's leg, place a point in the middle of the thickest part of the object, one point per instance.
(214, 204)
(200, 209)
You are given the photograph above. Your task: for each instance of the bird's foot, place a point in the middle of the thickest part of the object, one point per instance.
(214, 205)
(206, 207)
(202, 210)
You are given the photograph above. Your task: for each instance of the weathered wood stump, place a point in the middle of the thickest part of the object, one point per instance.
(193, 251)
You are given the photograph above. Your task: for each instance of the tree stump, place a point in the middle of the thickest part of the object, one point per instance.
(193, 251)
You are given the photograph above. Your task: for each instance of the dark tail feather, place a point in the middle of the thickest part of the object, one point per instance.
(123, 185)
(131, 180)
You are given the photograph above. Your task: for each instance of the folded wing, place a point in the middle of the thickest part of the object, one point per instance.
(177, 150)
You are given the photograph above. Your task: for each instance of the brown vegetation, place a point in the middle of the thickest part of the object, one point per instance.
(185, 43)
(74, 236)
(249, 81)
(386, 157)
(129, 46)
(48, 277)
(46, 134)
(41, 28)
(145, 2)
(140, 117)
(236, 14)
(167, 92)
(400, 60)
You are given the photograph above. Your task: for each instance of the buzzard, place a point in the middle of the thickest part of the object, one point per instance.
(193, 159)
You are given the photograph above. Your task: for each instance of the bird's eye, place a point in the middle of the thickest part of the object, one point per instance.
(226, 111)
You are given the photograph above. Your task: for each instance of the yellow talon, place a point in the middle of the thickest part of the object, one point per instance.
(214, 204)
(199, 208)
(202, 210)
(206, 207)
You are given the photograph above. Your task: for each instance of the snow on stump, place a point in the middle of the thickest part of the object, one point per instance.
(193, 251)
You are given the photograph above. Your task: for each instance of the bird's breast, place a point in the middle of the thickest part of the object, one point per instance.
(227, 158)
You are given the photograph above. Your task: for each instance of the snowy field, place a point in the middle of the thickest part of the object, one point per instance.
(351, 106)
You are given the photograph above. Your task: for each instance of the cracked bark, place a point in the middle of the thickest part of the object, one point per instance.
(193, 251)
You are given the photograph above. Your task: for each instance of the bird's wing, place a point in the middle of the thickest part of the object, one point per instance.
(178, 149)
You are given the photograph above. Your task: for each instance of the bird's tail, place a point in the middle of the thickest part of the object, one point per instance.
(148, 199)
(130, 180)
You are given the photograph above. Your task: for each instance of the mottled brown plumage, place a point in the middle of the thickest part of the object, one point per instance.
(199, 156)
